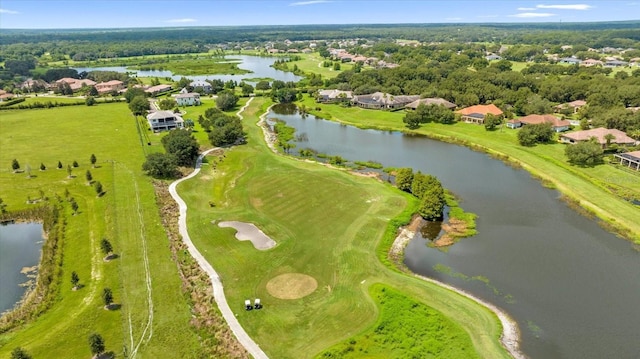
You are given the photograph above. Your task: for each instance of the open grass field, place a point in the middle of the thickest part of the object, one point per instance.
(327, 224)
(154, 317)
(313, 63)
(592, 187)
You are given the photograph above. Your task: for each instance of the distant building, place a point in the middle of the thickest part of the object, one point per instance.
(109, 86)
(330, 96)
(431, 101)
(570, 61)
(615, 63)
(380, 100)
(158, 89)
(591, 62)
(76, 84)
(188, 99)
(164, 121)
(493, 57)
(575, 105)
(206, 87)
(629, 159)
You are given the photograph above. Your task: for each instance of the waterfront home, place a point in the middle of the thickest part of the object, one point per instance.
(204, 85)
(629, 159)
(558, 125)
(600, 135)
(109, 86)
(431, 101)
(477, 113)
(381, 100)
(76, 84)
(331, 96)
(158, 89)
(164, 121)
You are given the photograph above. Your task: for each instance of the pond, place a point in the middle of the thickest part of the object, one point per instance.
(260, 67)
(572, 287)
(20, 245)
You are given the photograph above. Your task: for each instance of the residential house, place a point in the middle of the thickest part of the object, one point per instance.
(164, 121)
(330, 96)
(5, 96)
(431, 101)
(591, 62)
(33, 85)
(206, 87)
(109, 86)
(615, 63)
(558, 125)
(493, 57)
(76, 84)
(629, 159)
(575, 105)
(477, 113)
(634, 62)
(380, 100)
(600, 134)
(158, 89)
(570, 61)
(188, 98)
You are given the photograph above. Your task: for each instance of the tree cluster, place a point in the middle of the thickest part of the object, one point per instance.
(426, 188)
(428, 113)
(529, 135)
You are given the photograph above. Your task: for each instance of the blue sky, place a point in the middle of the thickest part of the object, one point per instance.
(47, 14)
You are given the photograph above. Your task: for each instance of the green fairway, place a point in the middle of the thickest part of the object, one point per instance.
(313, 63)
(594, 188)
(327, 224)
(154, 317)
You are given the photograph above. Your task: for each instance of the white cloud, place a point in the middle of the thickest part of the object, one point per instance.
(310, 2)
(532, 14)
(566, 7)
(181, 20)
(5, 11)
(526, 9)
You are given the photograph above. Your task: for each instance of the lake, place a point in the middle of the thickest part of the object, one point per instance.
(260, 67)
(572, 287)
(20, 245)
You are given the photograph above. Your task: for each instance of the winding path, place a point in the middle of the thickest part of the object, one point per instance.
(218, 291)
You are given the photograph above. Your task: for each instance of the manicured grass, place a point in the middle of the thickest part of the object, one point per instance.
(592, 187)
(199, 66)
(127, 215)
(328, 225)
(313, 63)
(405, 328)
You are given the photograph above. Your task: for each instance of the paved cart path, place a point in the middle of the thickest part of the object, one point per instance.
(218, 290)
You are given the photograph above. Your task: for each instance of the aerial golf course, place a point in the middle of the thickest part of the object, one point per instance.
(331, 229)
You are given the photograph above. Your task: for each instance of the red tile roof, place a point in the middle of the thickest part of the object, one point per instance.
(537, 119)
(481, 109)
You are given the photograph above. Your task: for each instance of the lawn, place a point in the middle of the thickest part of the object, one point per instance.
(313, 63)
(327, 224)
(592, 187)
(127, 215)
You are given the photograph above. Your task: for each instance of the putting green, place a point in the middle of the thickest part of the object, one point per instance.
(292, 286)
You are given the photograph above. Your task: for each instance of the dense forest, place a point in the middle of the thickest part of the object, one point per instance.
(107, 43)
(450, 62)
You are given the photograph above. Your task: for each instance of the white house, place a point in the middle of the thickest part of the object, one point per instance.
(188, 99)
(206, 87)
(164, 121)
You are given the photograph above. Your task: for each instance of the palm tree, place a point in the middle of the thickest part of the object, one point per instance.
(609, 137)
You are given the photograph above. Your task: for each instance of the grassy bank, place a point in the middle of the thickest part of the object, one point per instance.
(592, 188)
(333, 241)
(126, 214)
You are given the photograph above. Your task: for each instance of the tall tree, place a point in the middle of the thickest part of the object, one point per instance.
(106, 247)
(167, 104)
(96, 344)
(160, 165)
(226, 100)
(404, 178)
(139, 106)
(75, 279)
(182, 145)
(107, 297)
(15, 165)
(19, 353)
(93, 160)
(584, 153)
(98, 188)
(89, 177)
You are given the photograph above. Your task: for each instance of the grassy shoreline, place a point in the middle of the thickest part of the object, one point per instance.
(585, 187)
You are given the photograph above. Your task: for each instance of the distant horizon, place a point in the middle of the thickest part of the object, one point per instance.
(141, 14)
(444, 24)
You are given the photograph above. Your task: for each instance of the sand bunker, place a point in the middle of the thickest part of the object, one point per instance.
(249, 232)
(292, 286)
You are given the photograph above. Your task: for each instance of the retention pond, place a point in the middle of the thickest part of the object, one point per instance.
(572, 287)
